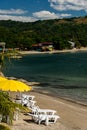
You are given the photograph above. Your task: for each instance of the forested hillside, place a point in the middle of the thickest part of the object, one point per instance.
(58, 31)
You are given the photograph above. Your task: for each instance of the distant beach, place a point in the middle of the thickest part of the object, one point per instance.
(54, 51)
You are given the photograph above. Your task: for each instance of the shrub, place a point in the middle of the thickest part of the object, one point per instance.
(8, 108)
(2, 127)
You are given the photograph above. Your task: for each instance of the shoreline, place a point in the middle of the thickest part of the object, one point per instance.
(37, 90)
(63, 98)
(46, 92)
(54, 51)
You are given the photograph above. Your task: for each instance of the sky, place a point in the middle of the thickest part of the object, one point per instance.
(33, 10)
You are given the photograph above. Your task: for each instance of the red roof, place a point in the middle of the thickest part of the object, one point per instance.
(43, 43)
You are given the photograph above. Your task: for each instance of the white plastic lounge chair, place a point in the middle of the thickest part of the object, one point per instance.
(28, 103)
(44, 115)
(46, 111)
(31, 104)
(29, 97)
(34, 109)
(47, 119)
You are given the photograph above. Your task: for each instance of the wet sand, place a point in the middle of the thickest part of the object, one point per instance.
(72, 116)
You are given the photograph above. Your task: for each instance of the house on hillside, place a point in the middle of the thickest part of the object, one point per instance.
(44, 46)
(2, 46)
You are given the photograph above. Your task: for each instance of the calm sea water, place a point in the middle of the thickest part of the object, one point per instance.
(63, 74)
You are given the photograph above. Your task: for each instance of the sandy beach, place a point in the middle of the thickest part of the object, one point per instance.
(54, 51)
(72, 116)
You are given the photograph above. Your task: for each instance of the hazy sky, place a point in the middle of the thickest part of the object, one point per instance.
(32, 10)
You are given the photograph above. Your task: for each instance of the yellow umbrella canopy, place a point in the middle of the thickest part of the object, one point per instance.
(2, 78)
(13, 85)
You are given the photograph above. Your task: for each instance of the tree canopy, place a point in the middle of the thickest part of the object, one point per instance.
(59, 31)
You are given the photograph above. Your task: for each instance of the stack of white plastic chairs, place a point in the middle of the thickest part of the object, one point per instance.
(28, 101)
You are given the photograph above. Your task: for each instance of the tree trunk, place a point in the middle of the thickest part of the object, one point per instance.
(1, 74)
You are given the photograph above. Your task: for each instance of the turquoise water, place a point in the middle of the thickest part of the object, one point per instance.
(63, 74)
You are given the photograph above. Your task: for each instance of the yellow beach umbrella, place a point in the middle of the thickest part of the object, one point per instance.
(14, 85)
(3, 78)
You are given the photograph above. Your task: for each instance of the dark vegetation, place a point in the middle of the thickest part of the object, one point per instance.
(3, 127)
(59, 31)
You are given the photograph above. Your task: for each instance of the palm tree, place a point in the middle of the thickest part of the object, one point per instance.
(3, 127)
(7, 107)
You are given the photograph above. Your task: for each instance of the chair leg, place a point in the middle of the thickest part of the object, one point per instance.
(47, 121)
(39, 122)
